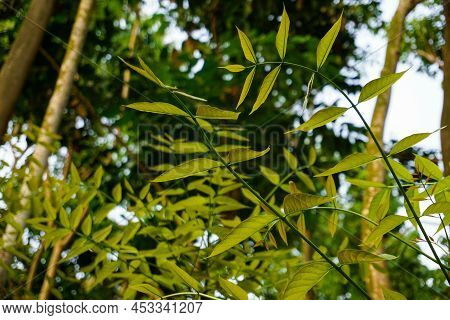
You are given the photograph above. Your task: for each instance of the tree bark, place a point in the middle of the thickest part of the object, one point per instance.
(445, 118)
(375, 279)
(51, 120)
(18, 62)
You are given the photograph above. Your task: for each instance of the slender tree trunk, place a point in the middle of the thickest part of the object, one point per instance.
(375, 279)
(18, 62)
(445, 118)
(51, 120)
(131, 44)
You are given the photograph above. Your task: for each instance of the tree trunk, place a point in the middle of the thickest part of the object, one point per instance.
(18, 62)
(375, 279)
(131, 44)
(445, 118)
(51, 120)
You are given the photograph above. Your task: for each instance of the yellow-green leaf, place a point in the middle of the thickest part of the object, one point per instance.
(378, 86)
(64, 218)
(145, 288)
(321, 118)
(189, 147)
(325, 44)
(243, 231)
(380, 205)
(306, 180)
(187, 169)
(266, 88)
(408, 142)
(385, 226)
(234, 68)
(102, 234)
(246, 87)
(427, 168)
(270, 175)
(157, 107)
(351, 256)
(438, 207)
(208, 112)
(117, 192)
(290, 159)
(245, 154)
(365, 183)
(191, 282)
(231, 135)
(296, 202)
(306, 277)
(233, 289)
(86, 226)
(392, 295)
(151, 74)
(144, 73)
(350, 162)
(400, 170)
(282, 35)
(246, 46)
(190, 96)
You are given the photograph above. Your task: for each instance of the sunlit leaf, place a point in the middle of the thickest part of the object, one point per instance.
(191, 282)
(266, 88)
(244, 154)
(365, 183)
(378, 86)
(437, 208)
(189, 147)
(296, 202)
(408, 142)
(145, 288)
(385, 226)
(400, 170)
(231, 135)
(427, 168)
(282, 35)
(243, 231)
(333, 221)
(157, 107)
(246, 87)
(306, 180)
(117, 193)
(326, 43)
(304, 279)
(187, 169)
(234, 68)
(351, 256)
(380, 205)
(350, 162)
(86, 226)
(290, 159)
(150, 73)
(144, 73)
(392, 295)
(246, 46)
(270, 175)
(320, 118)
(208, 112)
(102, 234)
(233, 289)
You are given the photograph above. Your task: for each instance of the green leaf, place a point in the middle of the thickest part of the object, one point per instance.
(350, 162)
(400, 170)
(408, 142)
(378, 86)
(266, 88)
(296, 202)
(208, 112)
(320, 118)
(352, 256)
(244, 154)
(246, 87)
(306, 180)
(282, 35)
(380, 205)
(64, 218)
(234, 68)
(158, 107)
(150, 76)
(325, 44)
(365, 183)
(187, 169)
(145, 288)
(306, 277)
(74, 176)
(117, 193)
(427, 168)
(243, 231)
(246, 46)
(86, 226)
(270, 175)
(233, 289)
(231, 135)
(290, 159)
(190, 96)
(189, 147)
(191, 282)
(102, 234)
(438, 207)
(385, 226)
(392, 295)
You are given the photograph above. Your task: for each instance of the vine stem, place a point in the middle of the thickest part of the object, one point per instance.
(383, 155)
(263, 201)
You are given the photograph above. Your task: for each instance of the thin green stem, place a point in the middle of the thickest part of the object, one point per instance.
(283, 218)
(283, 180)
(187, 293)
